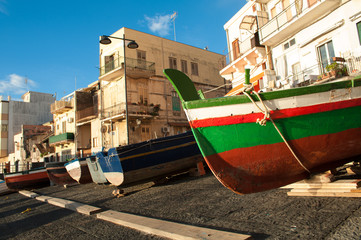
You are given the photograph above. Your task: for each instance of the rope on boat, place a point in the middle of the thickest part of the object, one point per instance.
(248, 88)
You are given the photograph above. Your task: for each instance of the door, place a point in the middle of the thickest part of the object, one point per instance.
(326, 53)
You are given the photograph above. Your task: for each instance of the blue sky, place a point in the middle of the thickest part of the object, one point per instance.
(52, 45)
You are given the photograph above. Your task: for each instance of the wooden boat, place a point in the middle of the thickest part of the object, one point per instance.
(29, 179)
(150, 160)
(95, 170)
(78, 170)
(57, 173)
(4, 188)
(320, 124)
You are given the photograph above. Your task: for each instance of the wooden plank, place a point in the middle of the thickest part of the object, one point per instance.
(344, 183)
(319, 190)
(325, 194)
(167, 229)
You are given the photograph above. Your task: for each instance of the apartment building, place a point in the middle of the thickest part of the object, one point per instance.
(64, 130)
(302, 39)
(33, 110)
(137, 102)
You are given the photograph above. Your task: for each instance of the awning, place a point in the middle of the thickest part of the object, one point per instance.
(254, 81)
(248, 22)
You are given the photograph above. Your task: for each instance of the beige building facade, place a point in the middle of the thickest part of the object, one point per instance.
(63, 137)
(143, 105)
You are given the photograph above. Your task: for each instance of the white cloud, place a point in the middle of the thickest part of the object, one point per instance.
(2, 7)
(15, 84)
(159, 24)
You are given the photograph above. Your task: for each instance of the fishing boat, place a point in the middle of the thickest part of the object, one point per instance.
(95, 170)
(57, 173)
(78, 170)
(150, 160)
(28, 179)
(259, 141)
(4, 188)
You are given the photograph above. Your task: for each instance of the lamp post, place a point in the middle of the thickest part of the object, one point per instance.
(132, 45)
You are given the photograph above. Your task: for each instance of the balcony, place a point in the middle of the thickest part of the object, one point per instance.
(61, 106)
(61, 139)
(251, 52)
(114, 112)
(135, 68)
(86, 114)
(135, 111)
(293, 19)
(142, 111)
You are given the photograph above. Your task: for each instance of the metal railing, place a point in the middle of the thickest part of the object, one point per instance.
(291, 12)
(61, 104)
(11, 168)
(113, 110)
(353, 64)
(87, 112)
(131, 63)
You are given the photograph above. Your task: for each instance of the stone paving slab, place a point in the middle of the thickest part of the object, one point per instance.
(29, 194)
(167, 229)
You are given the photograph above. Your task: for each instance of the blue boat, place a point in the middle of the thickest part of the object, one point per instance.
(150, 160)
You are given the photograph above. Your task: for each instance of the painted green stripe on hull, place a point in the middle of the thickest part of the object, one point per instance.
(259, 168)
(272, 95)
(213, 140)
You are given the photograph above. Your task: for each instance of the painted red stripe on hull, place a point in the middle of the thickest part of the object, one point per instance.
(26, 177)
(254, 169)
(278, 114)
(33, 180)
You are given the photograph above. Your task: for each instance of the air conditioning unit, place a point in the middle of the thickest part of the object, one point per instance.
(70, 120)
(165, 129)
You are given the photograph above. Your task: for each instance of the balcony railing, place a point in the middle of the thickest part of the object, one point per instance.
(131, 63)
(61, 138)
(11, 168)
(112, 111)
(86, 113)
(293, 15)
(143, 110)
(61, 106)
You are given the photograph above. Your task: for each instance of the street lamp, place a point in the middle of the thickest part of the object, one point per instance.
(132, 45)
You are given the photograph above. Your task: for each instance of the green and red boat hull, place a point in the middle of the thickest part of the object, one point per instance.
(321, 124)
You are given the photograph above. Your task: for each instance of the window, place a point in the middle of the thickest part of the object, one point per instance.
(289, 44)
(172, 63)
(286, 46)
(359, 31)
(326, 53)
(194, 67)
(176, 104)
(143, 94)
(141, 59)
(184, 66)
(292, 41)
(63, 129)
(109, 63)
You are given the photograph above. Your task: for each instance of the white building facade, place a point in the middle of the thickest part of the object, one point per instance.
(301, 39)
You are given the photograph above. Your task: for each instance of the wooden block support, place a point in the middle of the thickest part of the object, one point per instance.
(200, 168)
